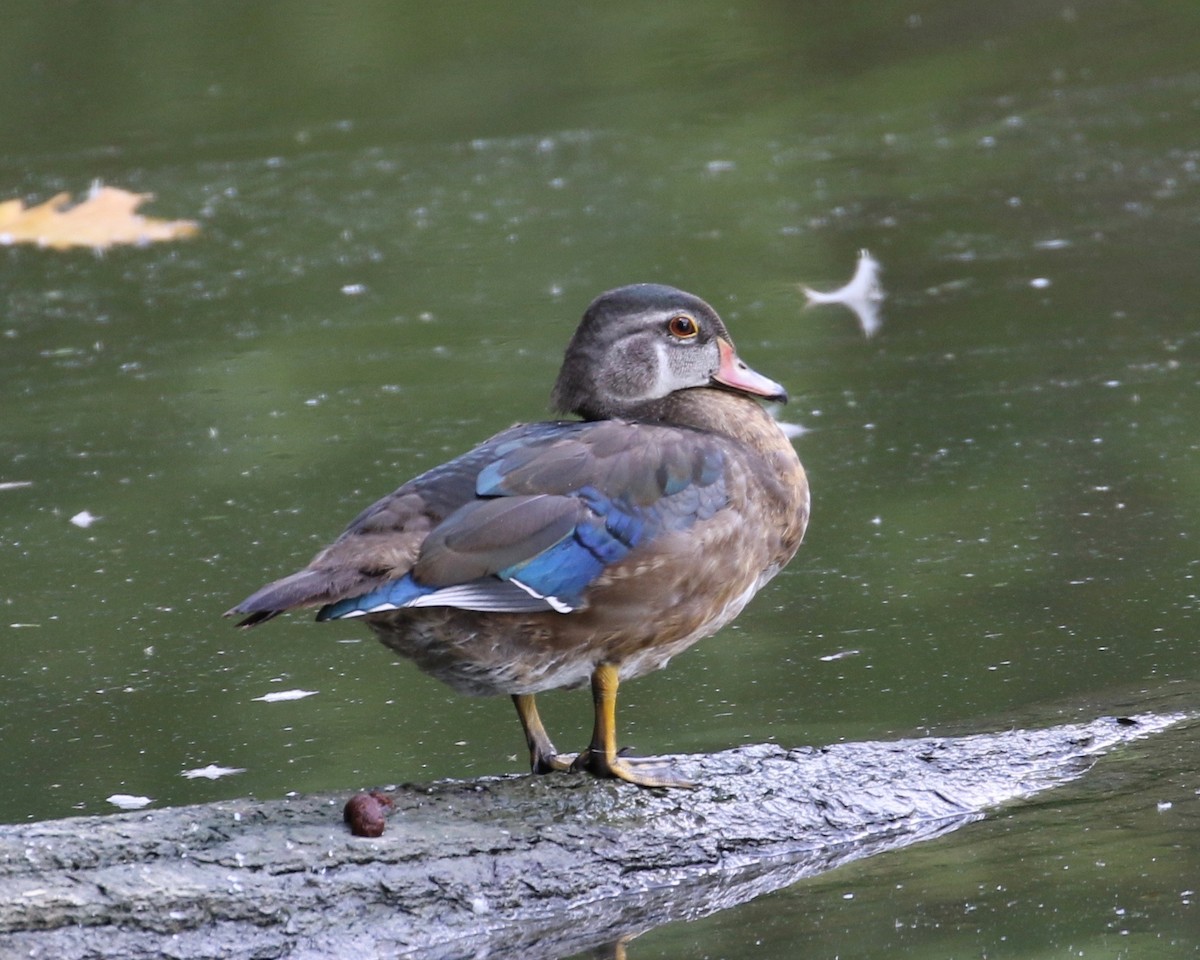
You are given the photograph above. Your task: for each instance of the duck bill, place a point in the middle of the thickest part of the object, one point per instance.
(735, 375)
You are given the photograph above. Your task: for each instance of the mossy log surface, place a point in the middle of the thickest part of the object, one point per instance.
(528, 866)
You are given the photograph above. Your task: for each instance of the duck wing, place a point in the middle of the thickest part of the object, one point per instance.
(525, 522)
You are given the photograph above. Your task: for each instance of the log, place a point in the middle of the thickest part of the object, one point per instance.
(535, 865)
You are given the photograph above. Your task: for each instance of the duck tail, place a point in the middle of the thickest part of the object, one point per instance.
(303, 589)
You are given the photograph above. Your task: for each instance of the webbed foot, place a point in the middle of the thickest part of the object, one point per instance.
(602, 758)
(543, 758)
(640, 771)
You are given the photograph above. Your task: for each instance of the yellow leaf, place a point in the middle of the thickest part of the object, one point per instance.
(106, 217)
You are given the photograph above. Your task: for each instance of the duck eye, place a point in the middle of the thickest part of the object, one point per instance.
(683, 327)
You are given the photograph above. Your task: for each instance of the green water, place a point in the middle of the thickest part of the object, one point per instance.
(405, 208)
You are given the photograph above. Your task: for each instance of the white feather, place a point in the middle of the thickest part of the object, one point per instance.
(487, 596)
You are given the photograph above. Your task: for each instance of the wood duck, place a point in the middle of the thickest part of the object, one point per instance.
(570, 551)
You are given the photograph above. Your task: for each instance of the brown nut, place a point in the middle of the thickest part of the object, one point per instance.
(366, 813)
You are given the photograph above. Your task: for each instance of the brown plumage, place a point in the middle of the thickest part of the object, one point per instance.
(562, 552)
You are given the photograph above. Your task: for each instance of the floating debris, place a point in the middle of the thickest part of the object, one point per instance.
(106, 216)
(127, 801)
(285, 695)
(84, 519)
(840, 655)
(212, 772)
(863, 294)
(791, 430)
(15, 484)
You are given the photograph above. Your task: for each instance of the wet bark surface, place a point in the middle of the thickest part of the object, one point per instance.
(535, 866)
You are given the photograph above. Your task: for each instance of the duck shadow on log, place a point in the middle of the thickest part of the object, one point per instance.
(528, 866)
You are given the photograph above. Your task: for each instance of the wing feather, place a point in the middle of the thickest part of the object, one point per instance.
(527, 521)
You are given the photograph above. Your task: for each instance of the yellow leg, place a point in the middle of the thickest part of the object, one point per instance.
(543, 758)
(601, 757)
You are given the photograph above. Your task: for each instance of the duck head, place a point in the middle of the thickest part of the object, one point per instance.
(639, 344)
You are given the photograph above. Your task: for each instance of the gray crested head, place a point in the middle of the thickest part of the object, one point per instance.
(639, 344)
